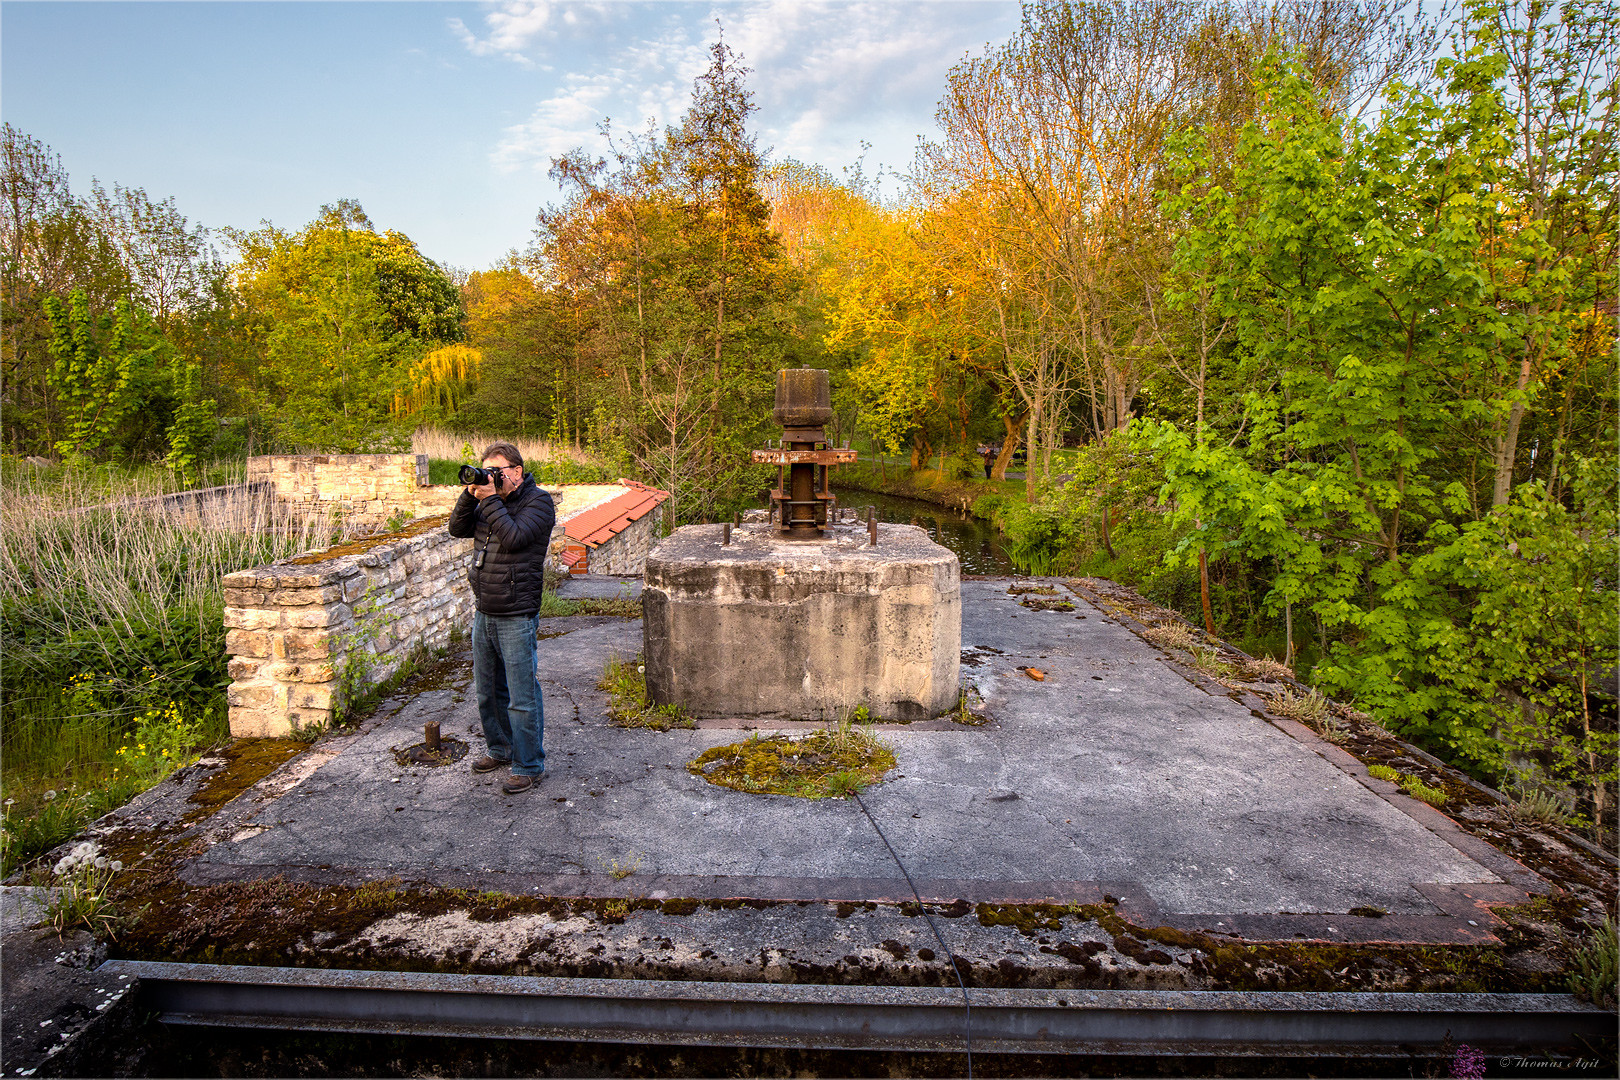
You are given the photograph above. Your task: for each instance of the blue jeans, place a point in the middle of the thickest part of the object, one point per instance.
(508, 689)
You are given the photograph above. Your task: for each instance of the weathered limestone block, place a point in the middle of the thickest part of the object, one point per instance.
(244, 668)
(247, 643)
(803, 629)
(332, 615)
(252, 618)
(248, 723)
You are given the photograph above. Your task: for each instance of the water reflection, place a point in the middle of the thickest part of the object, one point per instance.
(976, 542)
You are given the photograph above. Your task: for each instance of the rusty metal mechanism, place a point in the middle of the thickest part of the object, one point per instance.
(800, 505)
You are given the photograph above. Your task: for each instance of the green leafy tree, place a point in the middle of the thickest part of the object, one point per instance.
(341, 313)
(191, 433)
(98, 367)
(51, 247)
(681, 294)
(1384, 285)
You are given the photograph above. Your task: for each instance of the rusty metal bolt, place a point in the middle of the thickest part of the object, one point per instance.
(430, 735)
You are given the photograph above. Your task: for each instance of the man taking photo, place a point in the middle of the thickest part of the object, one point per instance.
(509, 518)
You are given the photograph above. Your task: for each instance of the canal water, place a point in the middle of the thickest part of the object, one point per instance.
(975, 541)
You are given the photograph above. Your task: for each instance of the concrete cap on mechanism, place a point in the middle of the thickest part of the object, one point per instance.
(803, 398)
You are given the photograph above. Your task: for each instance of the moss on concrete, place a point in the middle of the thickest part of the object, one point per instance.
(834, 763)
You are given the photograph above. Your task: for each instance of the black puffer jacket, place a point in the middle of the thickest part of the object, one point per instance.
(512, 532)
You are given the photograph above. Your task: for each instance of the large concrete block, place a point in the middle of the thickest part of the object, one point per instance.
(803, 629)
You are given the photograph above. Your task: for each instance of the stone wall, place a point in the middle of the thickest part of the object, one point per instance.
(364, 489)
(299, 631)
(626, 553)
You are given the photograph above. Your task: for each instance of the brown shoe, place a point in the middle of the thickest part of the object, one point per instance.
(516, 784)
(488, 764)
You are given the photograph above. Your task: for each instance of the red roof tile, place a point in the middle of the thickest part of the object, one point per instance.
(601, 523)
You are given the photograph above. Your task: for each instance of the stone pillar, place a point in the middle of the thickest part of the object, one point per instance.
(803, 629)
(298, 631)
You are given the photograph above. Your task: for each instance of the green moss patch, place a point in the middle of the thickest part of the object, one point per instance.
(247, 762)
(834, 763)
(360, 547)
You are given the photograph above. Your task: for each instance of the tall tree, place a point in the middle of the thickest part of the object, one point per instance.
(342, 312)
(670, 248)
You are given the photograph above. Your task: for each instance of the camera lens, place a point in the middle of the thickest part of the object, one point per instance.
(472, 475)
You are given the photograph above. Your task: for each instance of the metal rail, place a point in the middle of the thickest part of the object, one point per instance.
(1126, 1022)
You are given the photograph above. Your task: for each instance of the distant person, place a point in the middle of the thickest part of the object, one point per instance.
(988, 454)
(509, 518)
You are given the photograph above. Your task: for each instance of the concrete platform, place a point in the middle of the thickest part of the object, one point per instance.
(599, 587)
(1118, 777)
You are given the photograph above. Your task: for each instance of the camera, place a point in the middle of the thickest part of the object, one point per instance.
(471, 475)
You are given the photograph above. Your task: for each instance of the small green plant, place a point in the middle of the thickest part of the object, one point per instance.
(1421, 791)
(628, 705)
(616, 909)
(1383, 772)
(1333, 729)
(307, 733)
(1539, 807)
(1595, 965)
(846, 782)
(1308, 708)
(617, 870)
(1536, 801)
(552, 605)
(82, 883)
(1209, 662)
(963, 713)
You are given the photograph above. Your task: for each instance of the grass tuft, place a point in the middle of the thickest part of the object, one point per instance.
(628, 705)
(1170, 636)
(1595, 965)
(1308, 708)
(1268, 670)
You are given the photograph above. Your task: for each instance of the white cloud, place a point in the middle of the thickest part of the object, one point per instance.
(516, 26)
(825, 75)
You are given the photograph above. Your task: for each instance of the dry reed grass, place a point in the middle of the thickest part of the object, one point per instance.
(448, 445)
(73, 561)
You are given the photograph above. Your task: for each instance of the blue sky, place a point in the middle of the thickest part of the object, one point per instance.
(442, 118)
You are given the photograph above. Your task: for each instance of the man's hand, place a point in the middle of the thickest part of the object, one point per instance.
(481, 491)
